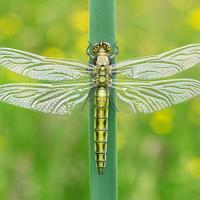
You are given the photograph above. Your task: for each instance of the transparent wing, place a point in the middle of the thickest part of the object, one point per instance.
(42, 68)
(47, 98)
(147, 97)
(160, 66)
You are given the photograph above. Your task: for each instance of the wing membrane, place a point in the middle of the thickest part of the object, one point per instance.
(162, 65)
(47, 98)
(147, 97)
(41, 68)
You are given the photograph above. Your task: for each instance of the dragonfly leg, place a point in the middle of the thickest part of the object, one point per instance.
(88, 52)
(116, 51)
(113, 105)
(90, 98)
(91, 64)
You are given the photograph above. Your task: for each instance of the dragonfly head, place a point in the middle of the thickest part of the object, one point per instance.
(102, 47)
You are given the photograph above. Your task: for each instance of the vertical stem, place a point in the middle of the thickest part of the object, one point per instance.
(102, 28)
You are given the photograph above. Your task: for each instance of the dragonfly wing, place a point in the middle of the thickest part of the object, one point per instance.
(42, 68)
(160, 66)
(47, 98)
(150, 96)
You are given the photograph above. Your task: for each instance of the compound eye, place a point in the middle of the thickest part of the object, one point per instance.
(108, 49)
(95, 49)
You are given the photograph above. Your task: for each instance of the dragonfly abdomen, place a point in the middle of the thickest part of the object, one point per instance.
(101, 127)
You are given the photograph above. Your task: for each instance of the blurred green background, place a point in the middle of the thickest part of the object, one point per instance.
(46, 157)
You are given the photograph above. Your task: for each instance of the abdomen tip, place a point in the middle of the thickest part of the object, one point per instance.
(100, 170)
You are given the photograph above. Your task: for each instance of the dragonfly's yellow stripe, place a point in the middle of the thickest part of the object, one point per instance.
(101, 127)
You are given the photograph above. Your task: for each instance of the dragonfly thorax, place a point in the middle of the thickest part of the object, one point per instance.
(102, 67)
(102, 58)
(102, 75)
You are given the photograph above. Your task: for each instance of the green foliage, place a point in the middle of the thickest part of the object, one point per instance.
(46, 157)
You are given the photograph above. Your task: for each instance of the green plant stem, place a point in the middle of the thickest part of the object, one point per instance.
(102, 28)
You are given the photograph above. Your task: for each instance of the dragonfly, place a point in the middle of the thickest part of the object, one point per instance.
(141, 84)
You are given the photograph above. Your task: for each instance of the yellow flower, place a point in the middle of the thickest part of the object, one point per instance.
(193, 167)
(53, 52)
(10, 25)
(80, 20)
(194, 19)
(161, 122)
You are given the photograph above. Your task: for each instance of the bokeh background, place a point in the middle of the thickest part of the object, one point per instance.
(46, 157)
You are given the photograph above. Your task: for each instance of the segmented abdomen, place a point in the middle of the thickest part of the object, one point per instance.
(101, 103)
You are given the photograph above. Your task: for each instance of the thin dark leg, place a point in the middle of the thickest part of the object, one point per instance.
(90, 98)
(115, 52)
(113, 105)
(88, 51)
